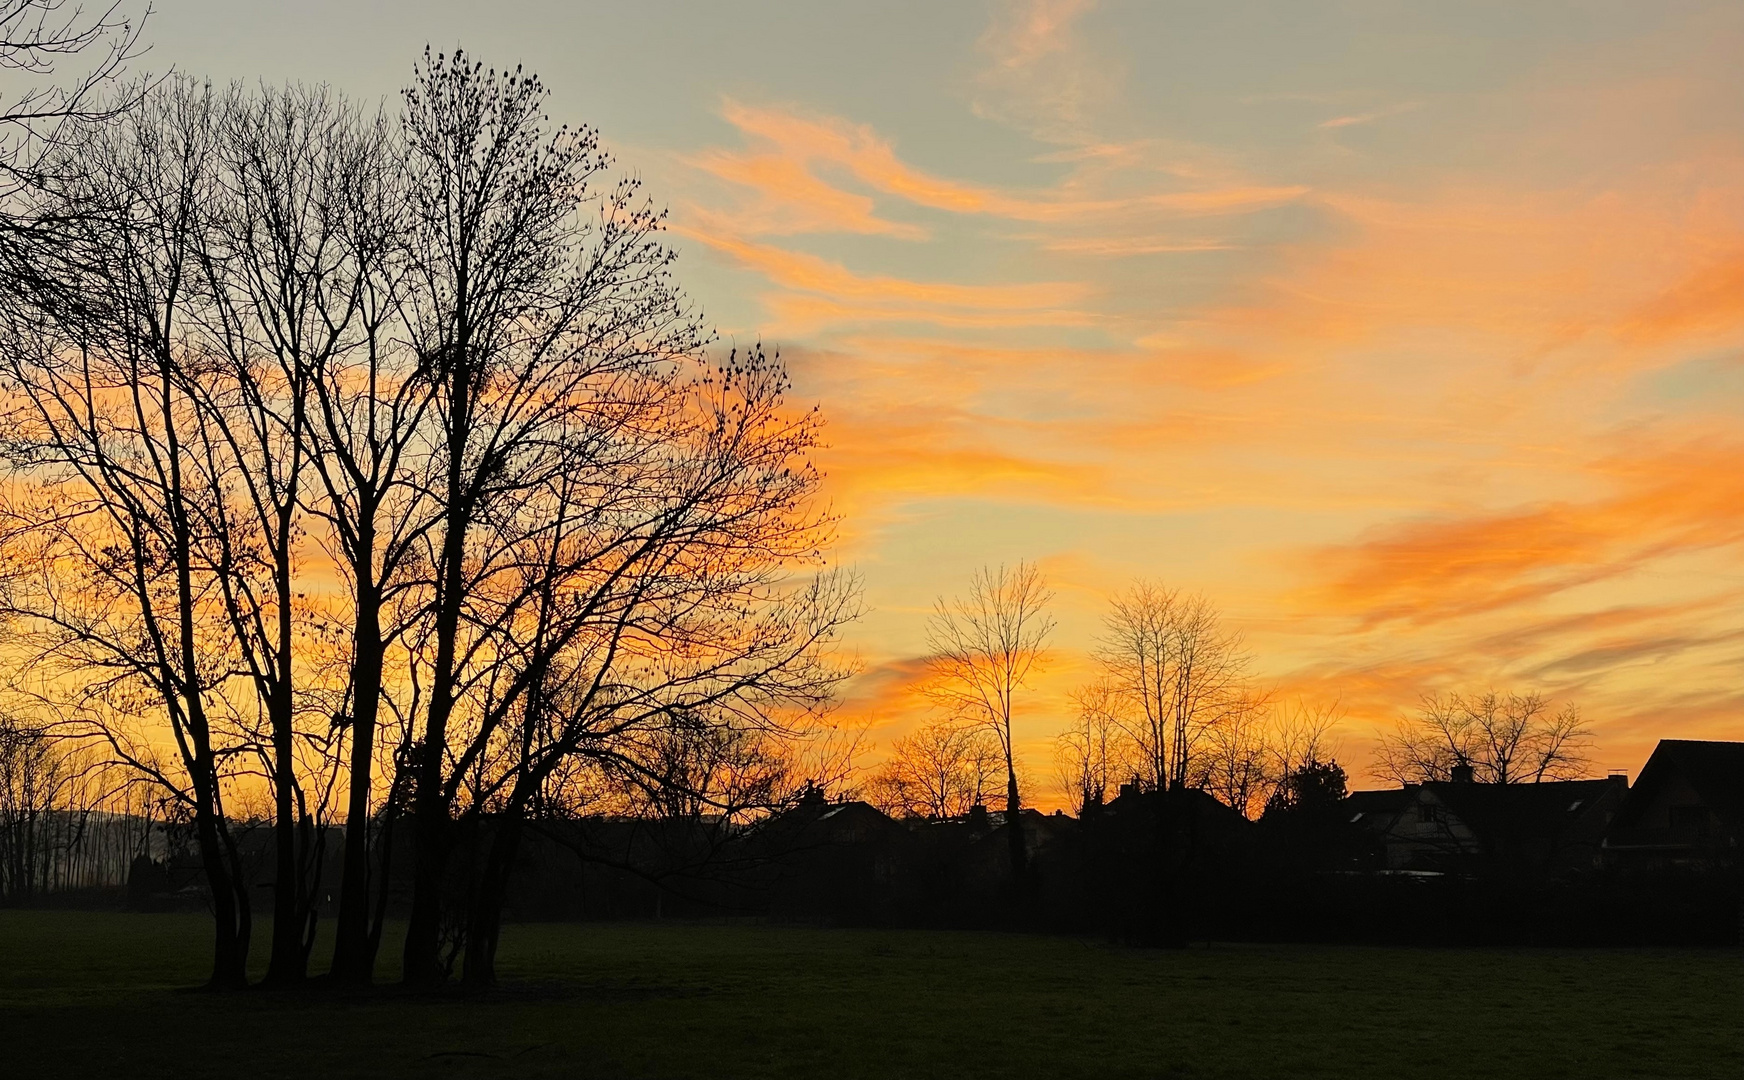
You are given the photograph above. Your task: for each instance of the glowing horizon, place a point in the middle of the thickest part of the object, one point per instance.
(1413, 340)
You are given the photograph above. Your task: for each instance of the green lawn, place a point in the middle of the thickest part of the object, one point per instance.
(99, 995)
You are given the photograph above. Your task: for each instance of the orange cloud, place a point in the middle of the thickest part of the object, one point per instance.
(1436, 569)
(794, 200)
(877, 462)
(788, 151)
(1710, 298)
(809, 273)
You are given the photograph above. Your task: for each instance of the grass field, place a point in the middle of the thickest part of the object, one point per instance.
(100, 995)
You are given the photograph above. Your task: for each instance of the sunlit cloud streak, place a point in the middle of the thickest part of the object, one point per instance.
(1429, 570)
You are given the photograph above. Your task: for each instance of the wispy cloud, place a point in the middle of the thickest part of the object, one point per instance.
(815, 293)
(1039, 73)
(798, 165)
(1354, 119)
(1422, 572)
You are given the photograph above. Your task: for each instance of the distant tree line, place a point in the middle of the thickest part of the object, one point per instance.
(1175, 706)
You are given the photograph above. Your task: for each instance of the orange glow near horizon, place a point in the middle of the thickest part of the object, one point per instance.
(1464, 427)
(1411, 336)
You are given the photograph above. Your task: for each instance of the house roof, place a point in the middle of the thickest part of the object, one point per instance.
(1518, 812)
(1714, 769)
(1377, 809)
(851, 819)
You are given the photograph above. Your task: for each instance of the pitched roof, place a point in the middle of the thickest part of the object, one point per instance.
(1518, 812)
(1376, 805)
(1715, 769)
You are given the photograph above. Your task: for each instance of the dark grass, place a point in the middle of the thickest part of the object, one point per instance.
(104, 995)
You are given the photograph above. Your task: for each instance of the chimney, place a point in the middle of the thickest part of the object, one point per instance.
(1461, 773)
(978, 821)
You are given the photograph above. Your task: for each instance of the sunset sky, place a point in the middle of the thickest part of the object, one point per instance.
(1411, 334)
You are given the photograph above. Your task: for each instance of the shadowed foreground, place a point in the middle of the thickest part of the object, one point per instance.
(86, 994)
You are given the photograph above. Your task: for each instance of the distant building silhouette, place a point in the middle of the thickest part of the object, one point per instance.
(1686, 808)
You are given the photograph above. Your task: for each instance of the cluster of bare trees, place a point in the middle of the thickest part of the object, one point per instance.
(1174, 706)
(64, 825)
(36, 782)
(1494, 738)
(378, 462)
(942, 769)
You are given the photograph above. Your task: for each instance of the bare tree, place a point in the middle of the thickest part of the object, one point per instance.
(368, 420)
(1236, 763)
(940, 770)
(1090, 756)
(1302, 735)
(983, 649)
(1178, 672)
(284, 293)
(114, 505)
(615, 516)
(36, 37)
(1508, 738)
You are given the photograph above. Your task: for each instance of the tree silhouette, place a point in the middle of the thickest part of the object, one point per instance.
(983, 648)
(1503, 738)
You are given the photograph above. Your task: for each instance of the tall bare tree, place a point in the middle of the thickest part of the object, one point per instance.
(1178, 672)
(524, 311)
(114, 505)
(983, 647)
(614, 516)
(1510, 738)
(285, 291)
(368, 419)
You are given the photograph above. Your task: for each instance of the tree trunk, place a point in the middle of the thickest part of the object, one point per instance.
(229, 953)
(290, 962)
(353, 951)
(422, 959)
(1014, 831)
(485, 924)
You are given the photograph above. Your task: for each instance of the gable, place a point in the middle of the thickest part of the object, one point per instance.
(1684, 773)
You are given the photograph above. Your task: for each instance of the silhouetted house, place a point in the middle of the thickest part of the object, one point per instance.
(1368, 818)
(1546, 829)
(1377, 810)
(1039, 829)
(1687, 806)
(618, 867)
(837, 860)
